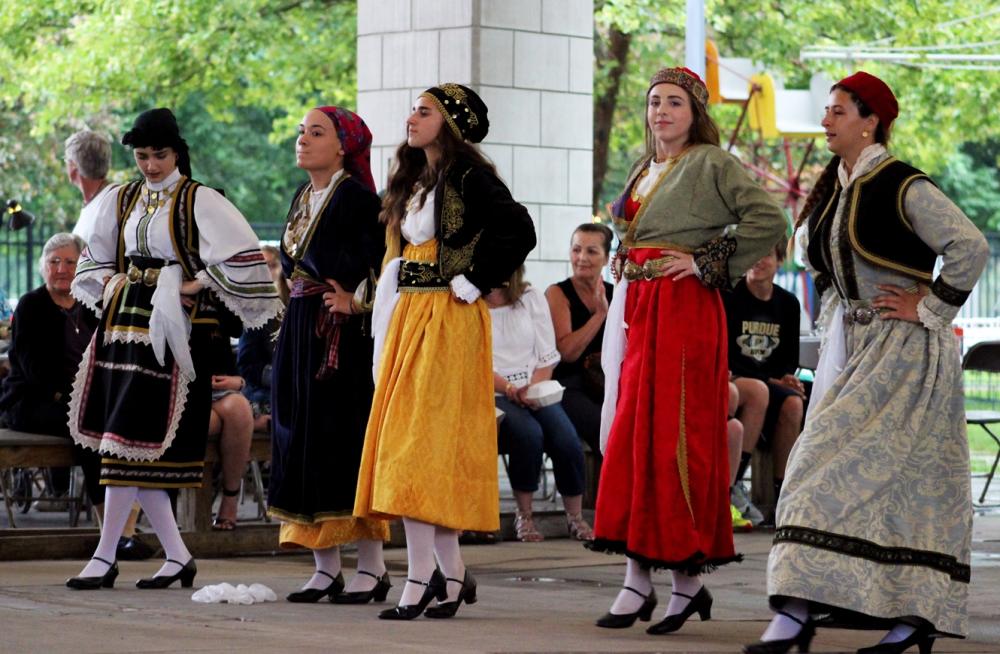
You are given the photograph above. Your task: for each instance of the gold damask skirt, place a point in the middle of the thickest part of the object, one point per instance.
(330, 533)
(431, 447)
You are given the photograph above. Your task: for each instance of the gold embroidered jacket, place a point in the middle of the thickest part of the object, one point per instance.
(483, 233)
(689, 209)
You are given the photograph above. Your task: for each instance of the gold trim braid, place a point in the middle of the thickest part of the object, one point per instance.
(444, 112)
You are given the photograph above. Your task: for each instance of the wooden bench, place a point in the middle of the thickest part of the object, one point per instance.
(26, 450)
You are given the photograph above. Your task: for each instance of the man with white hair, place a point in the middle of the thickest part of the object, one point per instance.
(88, 156)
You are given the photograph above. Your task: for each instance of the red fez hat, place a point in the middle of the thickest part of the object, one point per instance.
(875, 93)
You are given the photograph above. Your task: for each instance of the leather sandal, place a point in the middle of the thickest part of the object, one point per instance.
(524, 527)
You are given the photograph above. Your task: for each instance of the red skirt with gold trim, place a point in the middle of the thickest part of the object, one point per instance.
(664, 492)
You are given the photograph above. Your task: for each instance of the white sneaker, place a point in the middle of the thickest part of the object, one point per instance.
(739, 498)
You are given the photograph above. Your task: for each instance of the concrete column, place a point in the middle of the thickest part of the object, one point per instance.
(532, 63)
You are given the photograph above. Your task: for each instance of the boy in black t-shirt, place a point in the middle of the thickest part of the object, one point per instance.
(763, 324)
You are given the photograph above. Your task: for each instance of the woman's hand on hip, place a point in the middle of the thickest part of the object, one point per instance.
(900, 302)
(338, 300)
(682, 266)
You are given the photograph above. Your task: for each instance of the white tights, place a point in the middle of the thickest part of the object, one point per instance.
(117, 507)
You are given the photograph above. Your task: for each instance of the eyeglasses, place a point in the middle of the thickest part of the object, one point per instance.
(55, 262)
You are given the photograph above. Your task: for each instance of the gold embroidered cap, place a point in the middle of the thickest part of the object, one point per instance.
(463, 110)
(683, 77)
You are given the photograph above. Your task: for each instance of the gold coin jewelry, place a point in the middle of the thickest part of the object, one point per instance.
(299, 223)
(153, 200)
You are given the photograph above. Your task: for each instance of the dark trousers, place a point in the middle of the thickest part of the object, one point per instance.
(525, 434)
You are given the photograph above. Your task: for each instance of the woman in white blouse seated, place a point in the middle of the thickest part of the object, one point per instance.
(524, 353)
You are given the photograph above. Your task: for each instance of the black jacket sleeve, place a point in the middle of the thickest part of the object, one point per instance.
(508, 234)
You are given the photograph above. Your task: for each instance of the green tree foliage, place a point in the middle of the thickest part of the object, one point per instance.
(239, 74)
(940, 108)
(971, 177)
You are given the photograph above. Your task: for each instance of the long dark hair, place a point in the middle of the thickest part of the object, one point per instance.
(703, 128)
(821, 189)
(411, 167)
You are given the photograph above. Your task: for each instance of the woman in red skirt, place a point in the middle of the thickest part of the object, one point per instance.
(664, 494)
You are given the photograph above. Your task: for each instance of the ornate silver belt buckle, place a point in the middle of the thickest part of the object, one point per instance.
(863, 315)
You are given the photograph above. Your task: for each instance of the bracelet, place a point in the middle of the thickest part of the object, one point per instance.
(506, 390)
(243, 383)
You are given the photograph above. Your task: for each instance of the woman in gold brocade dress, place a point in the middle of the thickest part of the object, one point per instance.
(430, 452)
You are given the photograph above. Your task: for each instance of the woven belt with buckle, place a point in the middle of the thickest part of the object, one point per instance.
(860, 315)
(651, 269)
(149, 276)
(420, 276)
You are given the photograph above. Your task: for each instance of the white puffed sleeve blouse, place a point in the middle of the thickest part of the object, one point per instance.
(523, 338)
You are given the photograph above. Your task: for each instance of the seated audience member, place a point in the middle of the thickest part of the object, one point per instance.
(734, 436)
(232, 419)
(524, 354)
(579, 306)
(49, 332)
(763, 324)
(256, 350)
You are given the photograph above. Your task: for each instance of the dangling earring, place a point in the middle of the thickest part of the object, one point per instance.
(864, 133)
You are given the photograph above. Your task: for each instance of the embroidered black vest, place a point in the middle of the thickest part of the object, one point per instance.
(184, 238)
(183, 228)
(876, 227)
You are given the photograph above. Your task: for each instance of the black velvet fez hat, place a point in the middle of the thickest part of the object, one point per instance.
(463, 110)
(157, 128)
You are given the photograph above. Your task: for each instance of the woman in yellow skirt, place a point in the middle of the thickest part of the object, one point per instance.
(430, 453)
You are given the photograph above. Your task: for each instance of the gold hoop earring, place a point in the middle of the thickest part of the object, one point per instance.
(864, 133)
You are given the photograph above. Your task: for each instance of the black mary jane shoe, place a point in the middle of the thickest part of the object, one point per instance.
(435, 587)
(700, 603)
(625, 620)
(185, 574)
(801, 639)
(107, 580)
(922, 638)
(313, 595)
(467, 594)
(378, 593)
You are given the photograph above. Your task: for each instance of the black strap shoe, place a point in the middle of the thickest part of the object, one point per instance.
(700, 602)
(378, 593)
(185, 574)
(435, 588)
(107, 580)
(466, 594)
(625, 620)
(922, 638)
(313, 595)
(801, 639)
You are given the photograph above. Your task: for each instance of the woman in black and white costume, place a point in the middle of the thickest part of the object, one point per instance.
(167, 260)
